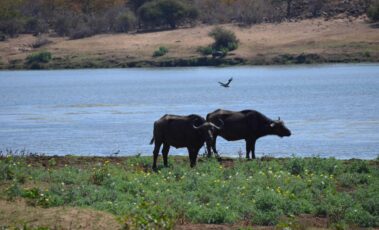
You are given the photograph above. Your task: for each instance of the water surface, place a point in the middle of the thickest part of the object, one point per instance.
(332, 110)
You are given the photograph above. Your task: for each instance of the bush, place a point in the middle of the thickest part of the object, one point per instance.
(12, 27)
(40, 57)
(224, 39)
(125, 22)
(160, 52)
(296, 166)
(81, 31)
(207, 50)
(166, 12)
(269, 208)
(3, 37)
(36, 26)
(373, 11)
(149, 216)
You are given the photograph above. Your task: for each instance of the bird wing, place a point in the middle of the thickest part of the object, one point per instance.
(221, 83)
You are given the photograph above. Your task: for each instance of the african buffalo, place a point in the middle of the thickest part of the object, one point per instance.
(248, 125)
(182, 131)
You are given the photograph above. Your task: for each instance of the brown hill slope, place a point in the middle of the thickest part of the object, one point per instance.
(314, 40)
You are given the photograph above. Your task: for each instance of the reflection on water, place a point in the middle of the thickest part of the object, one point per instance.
(332, 110)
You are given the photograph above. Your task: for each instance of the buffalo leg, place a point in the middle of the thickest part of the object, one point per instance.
(213, 147)
(192, 157)
(253, 149)
(209, 150)
(155, 154)
(165, 150)
(249, 143)
(195, 154)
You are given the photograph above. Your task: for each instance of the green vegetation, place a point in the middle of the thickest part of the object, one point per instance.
(126, 21)
(40, 57)
(166, 12)
(225, 41)
(37, 60)
(373, 11)
(160, 51)
(262, 191)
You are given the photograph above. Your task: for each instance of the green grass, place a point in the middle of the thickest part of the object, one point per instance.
(260, 191)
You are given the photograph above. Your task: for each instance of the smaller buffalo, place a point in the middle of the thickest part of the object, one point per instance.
(248, 125)
(182, 132)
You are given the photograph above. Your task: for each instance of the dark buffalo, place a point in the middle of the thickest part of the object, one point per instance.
(248, 125)
(182, 132)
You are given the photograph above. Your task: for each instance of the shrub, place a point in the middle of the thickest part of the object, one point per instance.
(3, 37)
(207, 50)
(125, 22)
(160, 52)
(81, 31)
(359, 166)
(65, 22)
(36, 26)
(296, 166)
(269, 208)
(256, 11)
(36, 197)
(166, 12)
(224, 39)
(360, 217)
(100, 174)
(149, 216)
(40, 57)
(12, 27)
(13, 191)
(373, 11)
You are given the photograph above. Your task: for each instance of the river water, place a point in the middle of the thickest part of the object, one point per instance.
(332, 110)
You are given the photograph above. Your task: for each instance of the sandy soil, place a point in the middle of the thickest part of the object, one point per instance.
(319, 36)
(16, 213)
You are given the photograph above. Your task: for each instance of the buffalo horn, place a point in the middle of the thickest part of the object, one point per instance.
(217, 127)
(196, 127)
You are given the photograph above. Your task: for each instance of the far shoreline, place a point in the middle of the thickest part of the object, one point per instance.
(173, 64)
(310, 41)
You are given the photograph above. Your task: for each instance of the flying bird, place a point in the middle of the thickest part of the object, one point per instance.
(226, 85)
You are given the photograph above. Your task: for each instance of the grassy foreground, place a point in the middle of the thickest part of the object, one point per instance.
(293, 193)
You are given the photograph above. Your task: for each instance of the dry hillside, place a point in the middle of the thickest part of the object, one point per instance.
(335, 40)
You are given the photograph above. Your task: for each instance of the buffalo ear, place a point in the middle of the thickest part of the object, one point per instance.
(272, 125)
(278, 118)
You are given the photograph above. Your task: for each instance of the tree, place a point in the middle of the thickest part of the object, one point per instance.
(288, 6)
(373, 11)
(136, 4)
(9, 9)
(166, 12)
(126, 21)
(224, 39)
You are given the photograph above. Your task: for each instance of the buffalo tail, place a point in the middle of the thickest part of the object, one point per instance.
(152, 141)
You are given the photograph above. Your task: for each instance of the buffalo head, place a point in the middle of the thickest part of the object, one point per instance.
(207, 130)
(278, 128)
